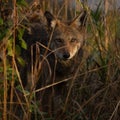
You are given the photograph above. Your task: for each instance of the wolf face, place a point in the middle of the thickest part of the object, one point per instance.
(67, 38)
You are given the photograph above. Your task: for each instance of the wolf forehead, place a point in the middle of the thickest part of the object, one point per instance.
(67, 32)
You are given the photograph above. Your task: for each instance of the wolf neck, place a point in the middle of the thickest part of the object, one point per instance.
(65, 67)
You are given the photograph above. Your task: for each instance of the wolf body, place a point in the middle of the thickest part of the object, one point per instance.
(54, 51)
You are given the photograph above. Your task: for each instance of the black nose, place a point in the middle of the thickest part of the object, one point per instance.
(66, 55)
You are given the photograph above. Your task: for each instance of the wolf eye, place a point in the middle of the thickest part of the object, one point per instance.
(59, 40)
(73, 40)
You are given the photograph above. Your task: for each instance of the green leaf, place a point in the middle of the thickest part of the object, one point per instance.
(17, 50)
(21, 31)
(22, 3)
(21, 61)
(19, 87)
(23, 44)
(20, 35)
(1, 21)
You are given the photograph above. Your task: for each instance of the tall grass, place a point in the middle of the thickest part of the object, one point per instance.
(93, 94)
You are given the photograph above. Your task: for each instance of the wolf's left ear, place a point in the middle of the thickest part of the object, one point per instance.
(80, 21)
(51, 21)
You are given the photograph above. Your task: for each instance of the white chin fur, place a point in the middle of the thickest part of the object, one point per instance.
(73, 53)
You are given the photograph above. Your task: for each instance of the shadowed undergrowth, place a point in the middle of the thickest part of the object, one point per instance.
(93, 93)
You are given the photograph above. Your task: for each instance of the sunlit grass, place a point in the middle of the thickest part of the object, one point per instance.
(93, 95)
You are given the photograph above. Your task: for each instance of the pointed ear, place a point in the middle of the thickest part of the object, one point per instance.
(80, 21)
(51, 21)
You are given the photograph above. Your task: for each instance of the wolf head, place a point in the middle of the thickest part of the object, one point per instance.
(67, 38)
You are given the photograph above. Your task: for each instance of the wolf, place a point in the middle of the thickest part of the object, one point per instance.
(54, 51)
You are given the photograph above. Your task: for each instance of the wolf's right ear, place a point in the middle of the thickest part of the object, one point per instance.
(80, 21)
(51, 21)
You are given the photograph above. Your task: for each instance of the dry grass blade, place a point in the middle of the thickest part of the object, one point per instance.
(93, 92)
(5, 86)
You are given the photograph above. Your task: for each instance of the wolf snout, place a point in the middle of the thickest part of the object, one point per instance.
(66, 55)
